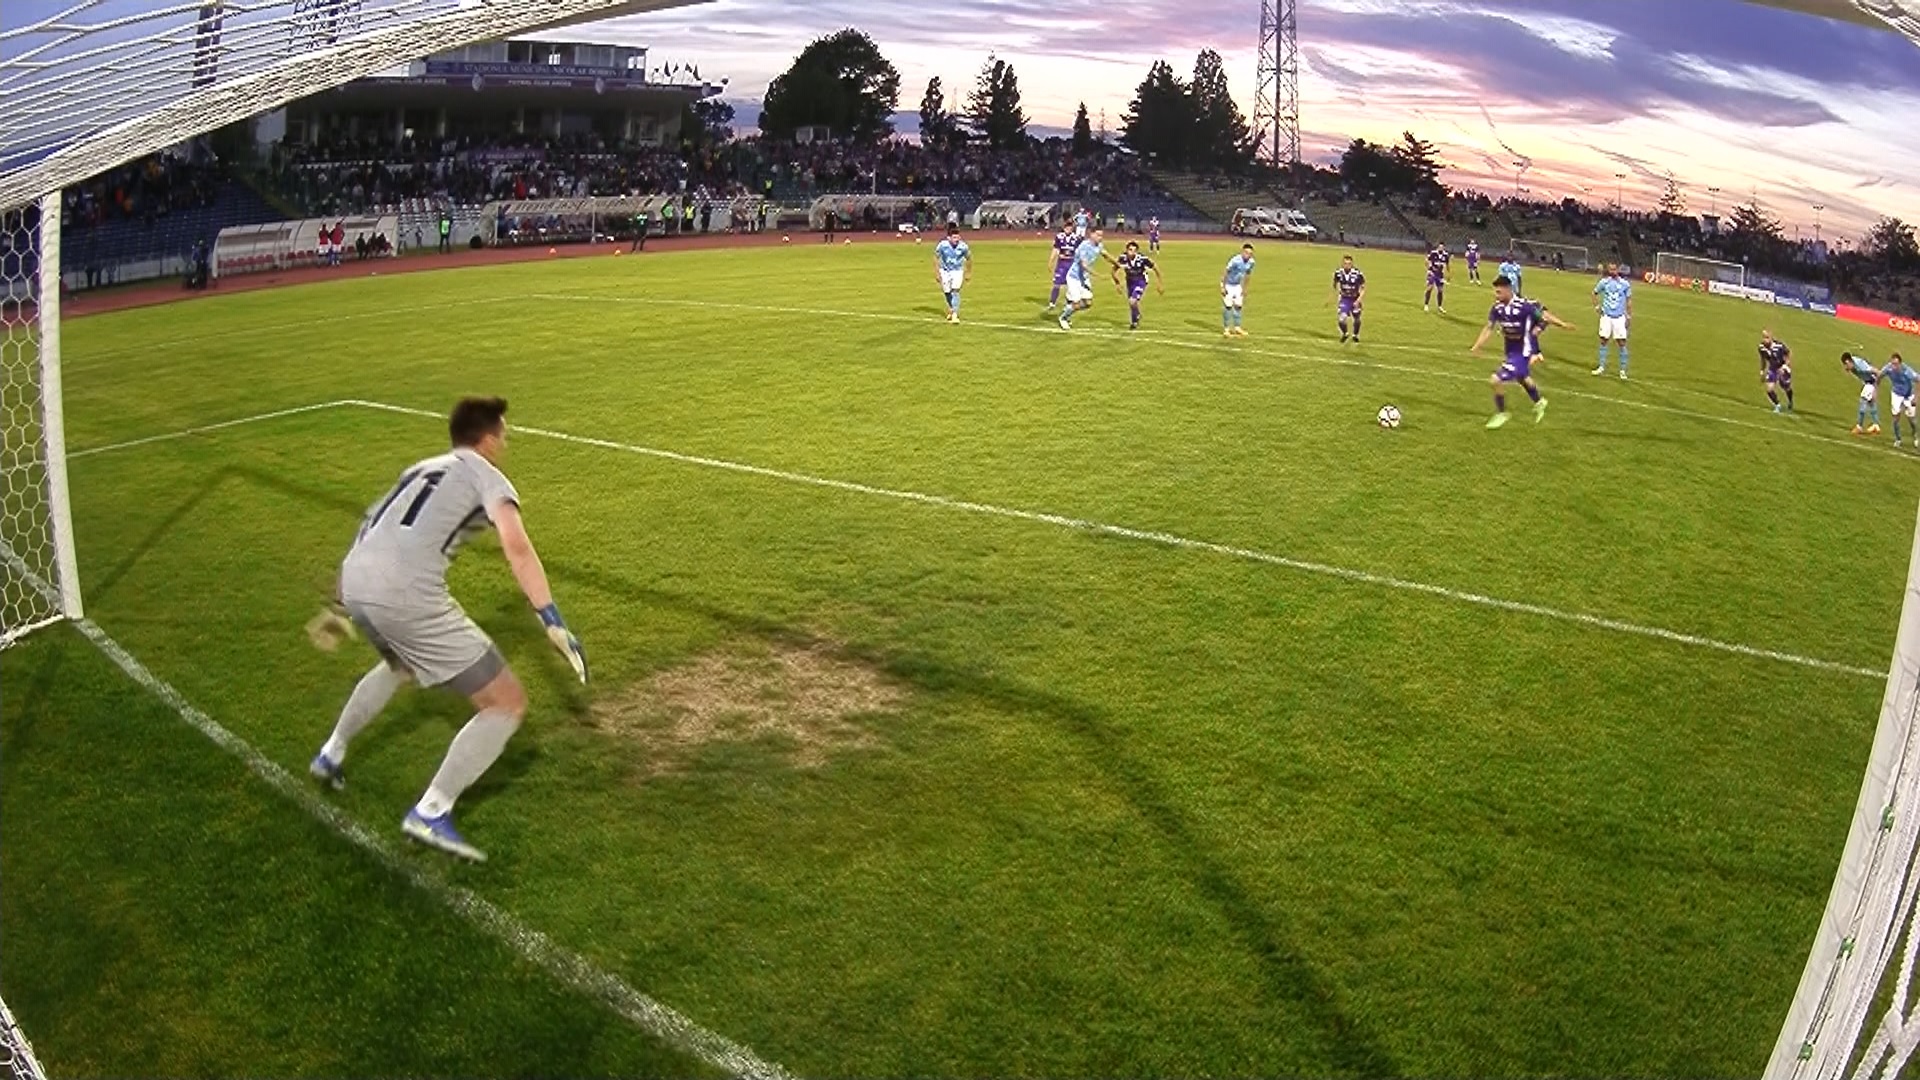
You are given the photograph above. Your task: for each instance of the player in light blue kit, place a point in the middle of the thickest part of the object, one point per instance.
(1899, 378)
(1233, 293)
(1510, 269)
(1615, 307)
(952, 266)
(1080, 277)
(1868, 416)
(1082, 223)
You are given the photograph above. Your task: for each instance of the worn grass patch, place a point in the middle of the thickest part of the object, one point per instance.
(813, 700)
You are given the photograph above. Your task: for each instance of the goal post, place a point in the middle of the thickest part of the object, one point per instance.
(1672, 264)
(16, 1054)
(39, 574)
(1572, 256)
(1868, 924)
(90, 85)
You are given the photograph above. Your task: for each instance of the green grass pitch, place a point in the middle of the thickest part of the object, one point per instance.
(884, 786)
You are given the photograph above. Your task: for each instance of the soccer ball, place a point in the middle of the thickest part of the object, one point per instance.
(1389, 416)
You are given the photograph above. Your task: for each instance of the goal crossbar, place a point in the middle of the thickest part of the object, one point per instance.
(135, 84)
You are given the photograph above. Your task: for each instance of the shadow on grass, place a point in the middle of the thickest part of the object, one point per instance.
(1296, 989)
(1289, 977)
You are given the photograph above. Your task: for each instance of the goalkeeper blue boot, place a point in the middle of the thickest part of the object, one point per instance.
(327, 771)
(440, 833)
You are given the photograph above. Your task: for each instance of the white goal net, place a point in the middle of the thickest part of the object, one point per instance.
(1854, 1013)
(38, 580)
(89, 85)
(16, 1054)
(1559, 256)
(1692, 267)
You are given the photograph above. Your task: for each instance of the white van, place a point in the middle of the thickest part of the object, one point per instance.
(1270, 222)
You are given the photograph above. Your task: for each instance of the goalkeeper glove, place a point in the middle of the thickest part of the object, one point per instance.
(331, 627)
(564, 641)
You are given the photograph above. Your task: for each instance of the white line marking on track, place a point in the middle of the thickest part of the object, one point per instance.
(1598, 622)
(1242, 348)
(566, 966)
(205, 428)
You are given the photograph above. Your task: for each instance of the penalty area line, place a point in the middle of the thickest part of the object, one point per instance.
(204, 429)
(567, 967)
(564, 965)
(1163, 539)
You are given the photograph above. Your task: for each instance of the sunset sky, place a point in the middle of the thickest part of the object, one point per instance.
(1719, 93)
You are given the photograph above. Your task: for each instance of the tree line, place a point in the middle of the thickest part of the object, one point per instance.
(843, 82)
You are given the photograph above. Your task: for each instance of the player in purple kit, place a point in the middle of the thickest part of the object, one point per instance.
(1513, 319)
(1350, 288)
(1153, 233)
(1060, 257)
(1473, 262)
(1437, 260)
(1138, 268)
(1776, 369)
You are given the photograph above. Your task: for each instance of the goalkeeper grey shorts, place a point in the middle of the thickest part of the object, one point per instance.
(438, 645)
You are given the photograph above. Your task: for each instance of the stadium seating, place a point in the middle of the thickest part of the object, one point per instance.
(127, 249)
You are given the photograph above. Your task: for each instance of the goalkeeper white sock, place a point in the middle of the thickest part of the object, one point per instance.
(473, 752)
(376, 688)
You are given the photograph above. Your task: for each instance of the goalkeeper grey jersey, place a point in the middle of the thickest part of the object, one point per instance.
(410, 536)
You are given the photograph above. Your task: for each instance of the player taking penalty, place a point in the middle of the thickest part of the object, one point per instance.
(1350, 290)
(393, 585)
(1513, 319)
(952, 266)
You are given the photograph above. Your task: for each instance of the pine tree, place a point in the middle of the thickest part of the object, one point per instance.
(1159, 122)
(993, 110)
(1082, 131)
(1417, 166)
(1220, 136)
(1673, 203)
(936, 124)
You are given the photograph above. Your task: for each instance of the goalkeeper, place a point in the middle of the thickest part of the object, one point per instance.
(393, 586)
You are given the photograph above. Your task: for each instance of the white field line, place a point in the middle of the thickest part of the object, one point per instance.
(566, 966)
(1782, 427)
(1599, 622)
(205, 428)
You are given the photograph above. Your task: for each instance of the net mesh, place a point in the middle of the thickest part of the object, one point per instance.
(99, 82)
(1571, 256)
(1698, 269)
(28, 560)
(16, 1055)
